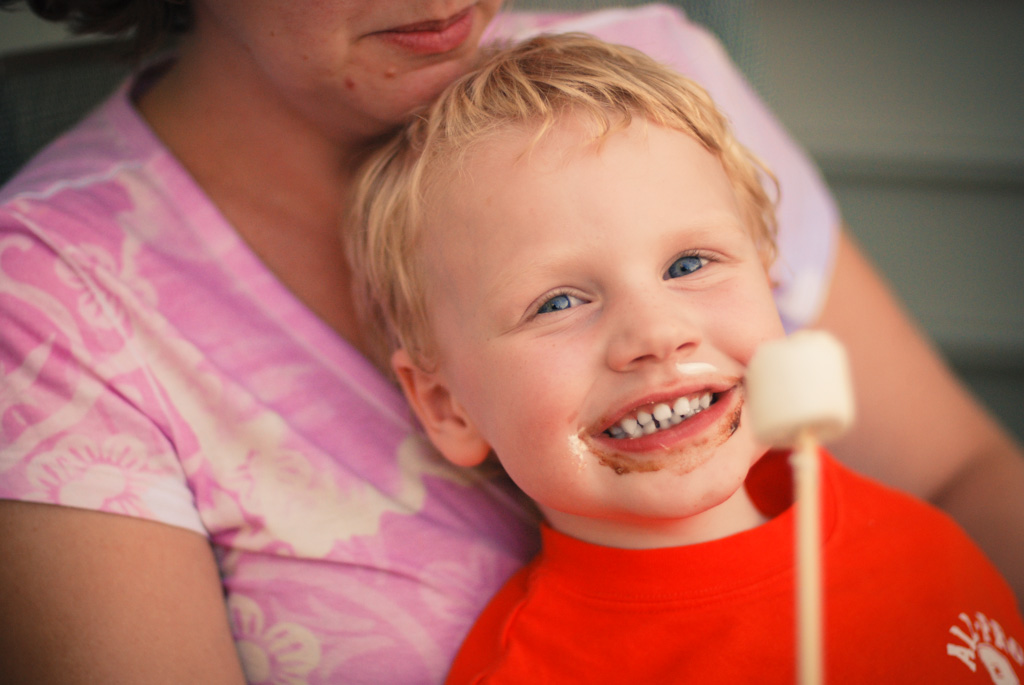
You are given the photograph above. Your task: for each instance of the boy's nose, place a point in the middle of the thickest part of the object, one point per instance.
(651, 329)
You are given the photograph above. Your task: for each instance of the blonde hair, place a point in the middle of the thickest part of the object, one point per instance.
(527, 86)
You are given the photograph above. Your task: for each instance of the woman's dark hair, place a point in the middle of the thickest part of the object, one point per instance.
(144, 23)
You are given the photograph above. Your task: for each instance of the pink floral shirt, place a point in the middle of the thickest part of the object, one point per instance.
(153, 367)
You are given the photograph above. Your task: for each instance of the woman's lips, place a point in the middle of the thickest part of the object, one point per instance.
(432, 37)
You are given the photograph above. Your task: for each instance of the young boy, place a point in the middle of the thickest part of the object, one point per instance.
(568, 255)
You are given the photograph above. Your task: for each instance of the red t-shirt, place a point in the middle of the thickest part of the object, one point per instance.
(908, 599)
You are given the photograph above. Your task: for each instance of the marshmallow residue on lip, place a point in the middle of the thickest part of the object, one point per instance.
(695, 368)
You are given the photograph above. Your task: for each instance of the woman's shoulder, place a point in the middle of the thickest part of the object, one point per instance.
(106, 179)
(109, 137)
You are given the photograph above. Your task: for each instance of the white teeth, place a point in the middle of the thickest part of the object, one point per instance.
(662, 412)
(682, 407)
(660, 417)
(630, 427)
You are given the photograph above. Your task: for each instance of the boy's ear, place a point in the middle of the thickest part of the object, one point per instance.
(443, 418)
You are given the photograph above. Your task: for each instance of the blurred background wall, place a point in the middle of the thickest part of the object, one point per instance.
(914, 110)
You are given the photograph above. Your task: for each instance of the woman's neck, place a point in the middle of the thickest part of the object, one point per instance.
(277, 180)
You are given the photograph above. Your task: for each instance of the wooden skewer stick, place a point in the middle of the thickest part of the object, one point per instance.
(807, 490)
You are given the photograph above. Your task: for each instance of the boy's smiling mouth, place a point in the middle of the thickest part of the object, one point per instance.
(682, 440)
(661, 415)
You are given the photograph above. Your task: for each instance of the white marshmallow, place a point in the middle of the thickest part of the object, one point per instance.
(799, 384)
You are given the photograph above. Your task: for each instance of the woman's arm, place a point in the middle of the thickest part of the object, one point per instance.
(917, 427)
(103, 598)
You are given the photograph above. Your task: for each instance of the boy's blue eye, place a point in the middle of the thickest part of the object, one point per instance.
(558, 303)
(685, 265)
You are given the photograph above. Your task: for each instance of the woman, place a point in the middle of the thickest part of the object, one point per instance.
(181, 351)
